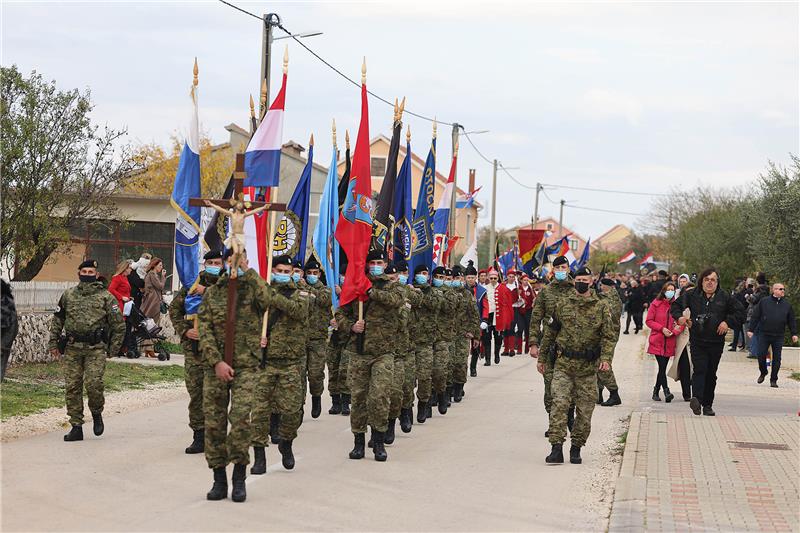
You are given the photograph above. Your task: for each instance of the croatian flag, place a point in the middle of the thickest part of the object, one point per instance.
(647, 259)
(467, 201)
(262, 159)
(630, 256)
(441, 218)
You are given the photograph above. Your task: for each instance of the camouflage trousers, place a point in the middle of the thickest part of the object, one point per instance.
(440, 367)
(370, 380)
(338, 359)
(574, 383)
(451, 362)
(396, 395)
(317, 351)
(280, 389)
(460, 359)
(410, 368)
(424, 370)
(193, 375)
(84, 365)
(548, 380)
(224, 403)
(606, 379)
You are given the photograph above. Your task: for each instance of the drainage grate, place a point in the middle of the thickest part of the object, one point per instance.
(759, 445)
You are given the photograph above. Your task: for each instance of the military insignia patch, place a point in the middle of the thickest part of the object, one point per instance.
(287, 235)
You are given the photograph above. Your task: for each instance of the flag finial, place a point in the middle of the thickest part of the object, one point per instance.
(347, 138)
(286, 59)
(195, 71)
(402, 107)
(333, 128)
(252, 107)
(434, 127)
(364, 71)
(408, 133)
(395, 110)
(311, 141)
(263, 93)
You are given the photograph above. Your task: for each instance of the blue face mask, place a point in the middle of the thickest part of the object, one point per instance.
(312, 279)
(560, 276)
(422, 279)
(402, 278)
(281, 278)
(437, 282)
(239, 271)
(296, 277)
(669, 295)
(457, 284)
(213, 271)
(376, 270)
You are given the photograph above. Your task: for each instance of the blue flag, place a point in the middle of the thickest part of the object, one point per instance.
(292, 231)
(422, 225)
(584, 259)
(187, 223)
(402, 212)
(326, 247)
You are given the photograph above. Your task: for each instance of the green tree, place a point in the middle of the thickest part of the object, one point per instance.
(57, 168)
(504, 241)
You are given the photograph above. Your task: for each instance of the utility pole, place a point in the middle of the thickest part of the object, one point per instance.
(270, 20)
(535, 218)
(492, 234)
(453, 214)
(561, 219)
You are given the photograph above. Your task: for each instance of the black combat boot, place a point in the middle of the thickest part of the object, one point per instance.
(575, 455)
(358, 449)
(422, 409)
(389, 436)
(443, 403)
(239, 490)
(97, 424)
(656, 397)
(287, 456)
(571, 418)
(668, 396)
(198, 444)
(316, 406)
(429, 409)
(259, 461)
(614, 399)
(406, 419)
(346, 404)
(336, 404)
(274, 424)
(76, 433)
(473, 364)
(219, 490)
(448, 394)
(458, 393)
(600, 394)
(377, 447)
(556, 454)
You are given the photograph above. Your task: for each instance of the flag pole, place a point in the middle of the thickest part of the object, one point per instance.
(195, 82)
(363, 82)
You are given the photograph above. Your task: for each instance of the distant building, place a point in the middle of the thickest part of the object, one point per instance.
(576, 242)
(617, 239)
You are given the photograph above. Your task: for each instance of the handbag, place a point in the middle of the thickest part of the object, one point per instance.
(164, 308)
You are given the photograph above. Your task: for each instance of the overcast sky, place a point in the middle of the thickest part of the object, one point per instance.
(632, 96)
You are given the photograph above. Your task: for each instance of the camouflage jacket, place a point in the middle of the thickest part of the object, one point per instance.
(614, 302)
(380, 317)
(177, 312)
(586, 323)
(447, 318)
(405, 318)
(424, 315)
(287, 323)
(543, 309)
(253, 299)
(84, 309)
(319, 315)
(468, 319)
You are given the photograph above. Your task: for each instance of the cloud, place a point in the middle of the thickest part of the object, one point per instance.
(606, 103)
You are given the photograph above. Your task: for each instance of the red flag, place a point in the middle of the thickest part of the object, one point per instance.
(354, 230)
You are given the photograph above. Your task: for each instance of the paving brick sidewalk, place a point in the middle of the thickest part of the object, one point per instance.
(738, 471)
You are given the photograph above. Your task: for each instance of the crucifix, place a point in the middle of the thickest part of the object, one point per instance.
(235, 208)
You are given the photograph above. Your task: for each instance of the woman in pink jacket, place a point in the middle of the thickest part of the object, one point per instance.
(664, 331)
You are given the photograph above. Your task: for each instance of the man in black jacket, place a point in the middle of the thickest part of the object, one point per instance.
(772, 315)
(713, 313)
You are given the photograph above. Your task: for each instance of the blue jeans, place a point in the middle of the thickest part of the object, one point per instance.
(764, 343)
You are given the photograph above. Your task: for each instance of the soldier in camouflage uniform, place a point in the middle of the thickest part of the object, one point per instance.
(281, 385)
(320, 314)
(414, 298)
(193, 367)
(229, 392)
(608, 292)
(543, 310)
(371, 369)
(337, 360)
(584, 339)
(468, 330)
(424, 329)
(92, 322)
(446, 323)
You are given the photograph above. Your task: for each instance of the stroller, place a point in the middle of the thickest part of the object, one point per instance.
(143, 329)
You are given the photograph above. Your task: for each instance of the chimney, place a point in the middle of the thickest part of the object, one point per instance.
(471, 180)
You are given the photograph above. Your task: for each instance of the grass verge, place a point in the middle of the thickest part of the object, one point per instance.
(31, 388)
(622, 438)
(795, 376)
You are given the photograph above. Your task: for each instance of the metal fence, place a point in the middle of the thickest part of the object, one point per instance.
(38, 296)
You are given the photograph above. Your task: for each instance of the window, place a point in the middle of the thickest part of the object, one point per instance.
(549, 226)
(378, 166)
(573, 245)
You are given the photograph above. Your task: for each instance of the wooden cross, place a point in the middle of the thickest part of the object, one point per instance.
(238, 186)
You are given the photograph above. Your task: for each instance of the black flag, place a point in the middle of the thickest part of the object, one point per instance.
(382, 219)
(216, 231)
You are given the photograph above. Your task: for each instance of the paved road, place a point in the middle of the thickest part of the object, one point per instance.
(479, 468)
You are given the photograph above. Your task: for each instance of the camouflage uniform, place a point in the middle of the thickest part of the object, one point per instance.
(370, 373)
(423, 332)
(193, 367)
(543, 309)
(414, 298)
(402, 347)
(586, 324)
(319, 317)
(81, 312)
(281, 386)
(447, 320)
(338, 358)
(253, 299)
(468, 322)
(606, 379)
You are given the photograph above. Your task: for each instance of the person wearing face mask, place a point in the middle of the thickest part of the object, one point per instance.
(92, 326)
(405, 350)
(186, 329)
(664, 332)
(468, 332)
(316, 345)
(493, 330)
(584, 339)
(478, 293)
(442, 347)
(606, 379)
(337, 358)
(543, 310)
(401, 344)
(636, 300)
(424, 331)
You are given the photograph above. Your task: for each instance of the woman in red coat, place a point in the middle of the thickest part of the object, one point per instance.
(506, 295)
(664, 331)
(120, 288)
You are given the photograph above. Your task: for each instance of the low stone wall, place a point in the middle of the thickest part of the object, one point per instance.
(30, 345)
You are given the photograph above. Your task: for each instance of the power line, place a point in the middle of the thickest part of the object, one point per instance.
(605, 210)
(603, 190)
